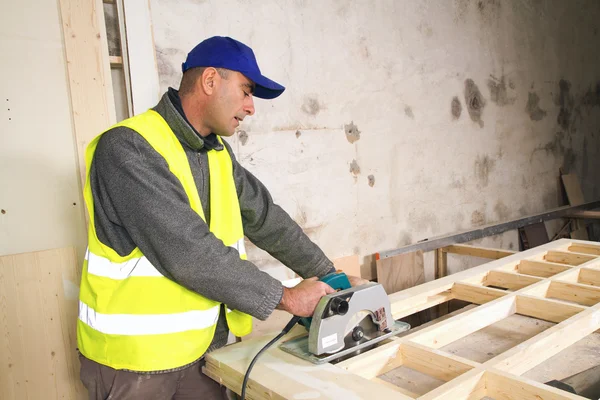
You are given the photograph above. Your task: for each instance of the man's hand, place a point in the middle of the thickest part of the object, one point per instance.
(356, 280)
(302, 299)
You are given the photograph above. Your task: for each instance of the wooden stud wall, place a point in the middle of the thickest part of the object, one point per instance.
(557, 282)
(38, 309)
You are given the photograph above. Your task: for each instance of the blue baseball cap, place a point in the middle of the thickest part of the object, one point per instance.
(225, 52)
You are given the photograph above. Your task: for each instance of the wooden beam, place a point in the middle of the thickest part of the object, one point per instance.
(439, 335)
(585, 249)
(468, 386)
(546, 309)
(588, 214)
(541, 347)
(401, 272)
(88, 70)
(503, 386)
(376, 362)
(278, 375)
(440, 271)
(564, 257)
(285, 375)
(541, 269)
(509, 280)
(432, 362)
(482, 252)
(475, 293)
(589, 277)
(420, 301)
(577, 293)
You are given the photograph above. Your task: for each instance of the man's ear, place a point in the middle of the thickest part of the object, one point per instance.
(209, 80)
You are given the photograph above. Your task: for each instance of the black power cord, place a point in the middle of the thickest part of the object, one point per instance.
(285, 330)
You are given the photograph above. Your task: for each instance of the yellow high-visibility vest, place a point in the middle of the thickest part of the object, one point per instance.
(130, 315)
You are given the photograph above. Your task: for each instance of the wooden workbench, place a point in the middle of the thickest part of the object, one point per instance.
(539, 327)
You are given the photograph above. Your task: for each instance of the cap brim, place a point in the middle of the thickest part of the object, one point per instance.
(265, 88)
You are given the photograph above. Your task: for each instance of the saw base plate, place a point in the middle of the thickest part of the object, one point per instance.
(299, 346)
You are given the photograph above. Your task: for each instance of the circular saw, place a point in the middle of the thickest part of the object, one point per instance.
(346, 323)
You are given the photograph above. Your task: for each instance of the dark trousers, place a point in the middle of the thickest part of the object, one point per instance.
(105, 383)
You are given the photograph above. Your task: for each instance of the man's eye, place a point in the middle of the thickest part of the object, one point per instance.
(246, 93)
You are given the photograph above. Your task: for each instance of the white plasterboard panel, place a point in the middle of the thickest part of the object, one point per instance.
(39, 188)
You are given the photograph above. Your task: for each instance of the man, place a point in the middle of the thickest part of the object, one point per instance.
(165, 277)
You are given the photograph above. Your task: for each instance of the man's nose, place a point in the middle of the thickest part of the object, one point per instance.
(249, 105)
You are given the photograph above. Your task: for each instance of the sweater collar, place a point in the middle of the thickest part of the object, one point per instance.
(171, 110)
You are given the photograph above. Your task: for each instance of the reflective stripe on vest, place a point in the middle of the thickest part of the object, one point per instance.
(138, 266)
(132, 324)
(130, 315)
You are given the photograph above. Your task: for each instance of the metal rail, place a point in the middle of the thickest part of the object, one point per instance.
(436, 242)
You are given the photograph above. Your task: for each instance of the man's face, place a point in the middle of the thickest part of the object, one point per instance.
(233, 102)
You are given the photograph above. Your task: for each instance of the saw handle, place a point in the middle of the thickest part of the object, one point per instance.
(338, 281)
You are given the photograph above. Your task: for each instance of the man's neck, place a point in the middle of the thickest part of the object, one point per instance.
(193, 113)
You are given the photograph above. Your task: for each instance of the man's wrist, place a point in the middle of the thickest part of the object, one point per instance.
(284, 299)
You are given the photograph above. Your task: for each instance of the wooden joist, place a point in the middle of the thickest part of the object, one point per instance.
(563, 290)
(474, 251)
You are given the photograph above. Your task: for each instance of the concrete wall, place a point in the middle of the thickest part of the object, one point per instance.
(40, 196)
(402, 119)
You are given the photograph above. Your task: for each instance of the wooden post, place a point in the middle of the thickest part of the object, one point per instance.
(441, 270)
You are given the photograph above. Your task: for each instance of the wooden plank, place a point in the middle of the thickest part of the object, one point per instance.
(588, 214)
(440, 271)
(476, 294)
(546, 309)
(573, 189)
(482, 252)
(423, 347)
(376, 362)
(577, 293)
(433, 362)
(419, 302)
(589, 277)
(468, 386)
(88, 70)
(441, 263)
(552, 341)
(401, 272)
(502, 386)
(38, 310)
(464, 324)
(563, 257)
(509, 280)
(280, 375)
(585, 249)
(542, 269)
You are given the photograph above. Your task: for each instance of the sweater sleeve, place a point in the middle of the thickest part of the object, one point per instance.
(269, 227)
(135, 192)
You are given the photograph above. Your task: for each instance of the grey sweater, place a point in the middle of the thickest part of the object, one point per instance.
(138, 202)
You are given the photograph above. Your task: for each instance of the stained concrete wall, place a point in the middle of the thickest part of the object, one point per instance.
(40, 195)
(402, 119)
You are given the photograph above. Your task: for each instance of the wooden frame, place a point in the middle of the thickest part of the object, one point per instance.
(552, 282)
